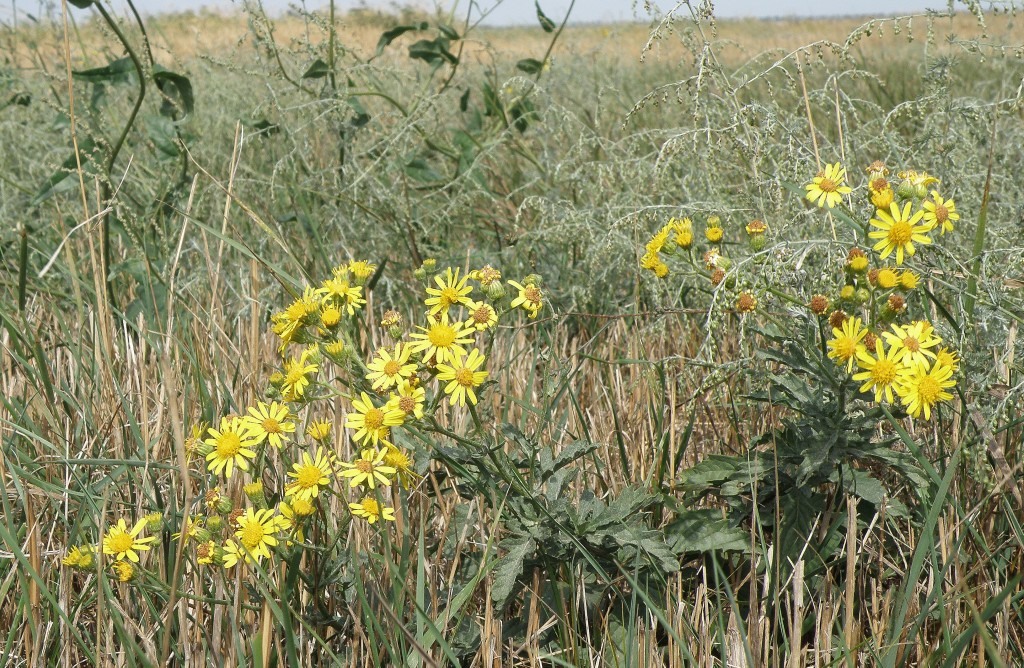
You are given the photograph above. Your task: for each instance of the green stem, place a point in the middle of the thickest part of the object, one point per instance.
(979, 238)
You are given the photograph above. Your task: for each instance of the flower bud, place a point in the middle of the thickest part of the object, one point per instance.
(819, 304)
(215, 523)
(495, 291)
(847, 293)
(862, 296)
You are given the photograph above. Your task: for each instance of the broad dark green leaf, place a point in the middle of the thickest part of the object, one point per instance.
(318, 70)
(81, 4)
(448, 31)
(117, 71)
(176, 90)
(547, 24)
(705, 530)
(510, 566)
(530, 65)
(389, 36)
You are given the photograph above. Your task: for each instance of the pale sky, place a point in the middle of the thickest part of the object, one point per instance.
(522, 11)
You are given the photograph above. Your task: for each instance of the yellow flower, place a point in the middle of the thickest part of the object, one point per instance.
(898, 230)
(339, 292)
(80, 557)
(206, 552)
(256, 529)
(486, 275)
(450, 291)
(442, 340)
(921, 387)
(371, 510)
(650, 261)
(270, 423)
(294, 509)
(482, 316)
(940, 213)
(369, 469)
(880, 371)
(397, 459)
(908, 280)
(234, 553)
(409, 399)
(125, 544)
(387, 370)
(464, 377)
(827, 188)
(887, 279)
(309, 476)
(372, 423)
(288, 322)
(947, 357)
(684, 232)
(530, 298)
(330, 316)
(232, 446)
(361, 270)
(319, 431)
(913, 342)
(846, 344)
(657, 242)
(296, 376)
(713, 234)
(124, 571)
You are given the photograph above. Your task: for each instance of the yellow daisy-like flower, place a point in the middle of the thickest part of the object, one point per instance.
(486, 275)
(388, 370)
(270, 423)
(898, 230)
(940, 213)
(206, 552)
(369, 469)
(530, 298)
(296, 376)
(650, 261)
(450, 291)
(235, 553)
(947, 357)
(125, 544)
(339, 292)
(880, 371)
(290, 321)
(330, 316)
(657, 242)
(319, 431)
(442, 340)
(913, 342)
(827, 188)
(921, 387)
(846, 345)
(232, 445)
(361, 270)
(887, 278)
(714, 234)
(81, 557)
(683, 232)
(372, 423)
(482, 316)
(124, 571)
(309, 476)
(463, 377)
(909, 280)
(397, 459)
(371, 510)
(409, 399)
(256, 529)
(295, 509)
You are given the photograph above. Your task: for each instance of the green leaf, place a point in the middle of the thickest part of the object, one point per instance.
(176, 90)
(117, 71)
(389, 36)
(447, 31)
(419, 170)
(530, 65)
(66, 169)
(547, 24)
(705, 530)
(81, 4)
(510, 566)
(318, 70)
(433, 51)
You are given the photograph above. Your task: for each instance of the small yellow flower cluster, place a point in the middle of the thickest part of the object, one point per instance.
(121, 544)
(676, 234)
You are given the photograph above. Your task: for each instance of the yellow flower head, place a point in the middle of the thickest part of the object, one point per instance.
(361, 270)
(921, 387)
(232, 446)
(369, 469)
(828, 188)
(371, 510)
(913, 342)
(880, 371)
(887, 279)
(319, 431)
(683, 232)
(450, 291)
(846, 342)
(909, 280)
(255, 533)
(530, 298)
(389, 369)
(308, 476)
(270, 423)
(657, 242)
(81, 557)
(206, 552)
(125, 544)
(947, 357)
(898, 230)
(399, 460)
(463, 377)
(940, 213)
(409, 399)
(482, 316)
(296, 376)
(442, 340)
(124, 571)
(372, 423)
(337, 291)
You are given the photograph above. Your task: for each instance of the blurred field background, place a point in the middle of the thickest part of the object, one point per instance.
(143, 250)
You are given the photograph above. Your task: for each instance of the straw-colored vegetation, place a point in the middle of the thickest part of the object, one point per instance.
(386, 339)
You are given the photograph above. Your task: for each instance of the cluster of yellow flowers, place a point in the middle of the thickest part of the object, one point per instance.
(677, 235)
(895, 357)
(389, 392)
